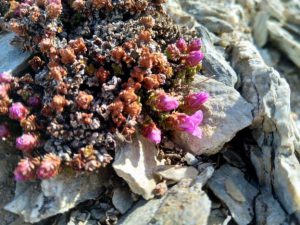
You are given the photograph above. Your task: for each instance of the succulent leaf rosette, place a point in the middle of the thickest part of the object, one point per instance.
(101, 69)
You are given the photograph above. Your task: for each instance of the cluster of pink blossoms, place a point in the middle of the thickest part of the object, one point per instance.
(28, 168)
(176, 120)
(189, 53)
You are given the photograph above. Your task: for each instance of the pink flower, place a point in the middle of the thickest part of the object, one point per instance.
(194, 58)
(189, 124)
(173, 52)
(18, 111)
(181, 45)
(152, 133)
(27, 142)
(195, 45)
(25, 170)
(4, 131)
(34, 101)
(49, 167)
(194, 101)
(164, 102)
(6, 77)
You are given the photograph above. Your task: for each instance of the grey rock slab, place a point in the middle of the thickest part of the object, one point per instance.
(216, 25)
(184, 204)
(215, 65)
(225, 113)
(292, 11)
(273, 128)
(122, 199)
(285, 41)
(268, 211)
(286, 182)
(229, 185)
(259, 27)
(224, 14)
(12, 58)
(275, 8)
(142, 212)
(135, 163)
(9, 157)
(36, 201)
(205, 175)
(217, 217)
(174, 174)
(261, 160)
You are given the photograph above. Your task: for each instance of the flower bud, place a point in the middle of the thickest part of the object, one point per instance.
(164, 102)
(194, 101)
(173, 52)
(183, 122)
(194, 58)
(6, 77)
(25, 169)
(27, 142)
(18, 111)
(181, 45)
(49, 167)
(34, 101)
(4, 131)
(152, 133)
(195, 45)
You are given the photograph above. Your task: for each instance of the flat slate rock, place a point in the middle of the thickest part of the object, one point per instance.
(184, 204)
(12, 58)
(230, 186)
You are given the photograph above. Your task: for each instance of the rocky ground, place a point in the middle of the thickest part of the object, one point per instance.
(246, 168)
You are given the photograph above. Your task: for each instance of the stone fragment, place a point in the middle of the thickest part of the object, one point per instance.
(260, 30)
(205, 175)
(224, 15)
(273, 129)
(12, 58)
(229, 185)
(285, 41)
(174, 174)
(135, 163)
(274, 7)
(233, 158)
(216, 25)
(37, 201)
(220, 122)
(190, 159)
(268, 211)
(122, 199)
(8, 160)
(180, 204)
(177, 207)
(217, 217)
